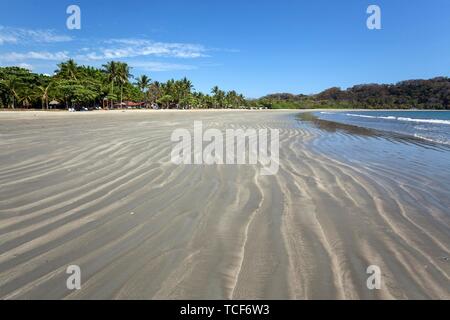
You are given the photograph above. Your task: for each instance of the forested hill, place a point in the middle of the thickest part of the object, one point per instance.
(420, 94)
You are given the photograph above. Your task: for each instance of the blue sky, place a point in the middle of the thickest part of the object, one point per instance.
(254, 47)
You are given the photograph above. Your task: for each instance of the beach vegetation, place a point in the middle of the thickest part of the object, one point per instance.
(114, 86)
(111, 86)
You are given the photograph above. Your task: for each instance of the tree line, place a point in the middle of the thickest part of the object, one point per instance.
(420, 94)
(76, 86)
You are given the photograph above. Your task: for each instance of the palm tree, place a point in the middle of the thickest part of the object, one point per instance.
(112, 70)
(215, 90)
(241, 100)
(183, 92)
(43, 91)
(219, 96)
(143, 82)
(123, 75)
(233, 99)
(68, 70)
(186, 86)
(154, 91)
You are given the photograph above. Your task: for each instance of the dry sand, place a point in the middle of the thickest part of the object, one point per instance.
(98, 190)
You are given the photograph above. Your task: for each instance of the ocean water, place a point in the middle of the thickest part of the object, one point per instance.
(392, 153)
(431, 126)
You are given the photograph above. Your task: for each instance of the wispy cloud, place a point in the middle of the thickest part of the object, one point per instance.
(25, 66)
(21, 35)
(140, 53)
(153, 66)
(7, 38)
(34, 55)
(130, 48)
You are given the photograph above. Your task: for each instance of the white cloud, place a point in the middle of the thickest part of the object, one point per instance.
(130, 48)
(34, 55)
(25, 66)
(161, 66)
(6, 38)
(24, 36)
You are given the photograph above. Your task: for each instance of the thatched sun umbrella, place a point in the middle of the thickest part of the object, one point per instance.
(53, 103)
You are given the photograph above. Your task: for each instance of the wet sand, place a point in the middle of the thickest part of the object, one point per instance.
(98, 190)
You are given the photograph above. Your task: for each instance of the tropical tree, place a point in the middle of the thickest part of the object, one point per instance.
(43, 91)
(154, 92)
(27, 96)
(218, 96)
(233, 99)
(123, 76)
(165, 100)
(85, 86)
(184, 88)
(83, 95)
(143, 83)
(112, 71)
(11, 87)
(67, 70)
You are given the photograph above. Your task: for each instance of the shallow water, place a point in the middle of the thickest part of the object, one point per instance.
(392, 155)
(433, 126)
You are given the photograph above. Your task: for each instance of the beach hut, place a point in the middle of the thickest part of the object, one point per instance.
(53, 104)
(131, 104)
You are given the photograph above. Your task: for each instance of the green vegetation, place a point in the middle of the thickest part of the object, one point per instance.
(75, 86)
(420, 94)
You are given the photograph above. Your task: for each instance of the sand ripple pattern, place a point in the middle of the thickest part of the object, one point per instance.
(98, 190)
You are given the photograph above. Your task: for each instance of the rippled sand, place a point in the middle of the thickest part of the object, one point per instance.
(98, 190)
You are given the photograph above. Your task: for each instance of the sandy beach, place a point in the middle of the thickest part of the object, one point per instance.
(98, 190)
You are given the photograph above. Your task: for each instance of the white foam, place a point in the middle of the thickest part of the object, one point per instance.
(388, 118)
(359, 115)
(431, 139)
(435, 121)
(371, 117)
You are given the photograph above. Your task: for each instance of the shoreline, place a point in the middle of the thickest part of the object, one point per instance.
(207, 110)
(11, 114)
